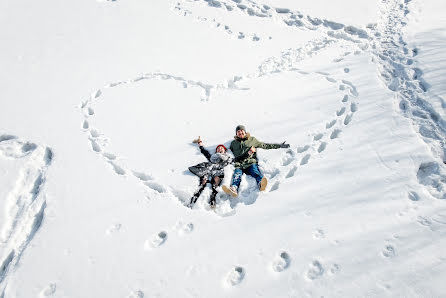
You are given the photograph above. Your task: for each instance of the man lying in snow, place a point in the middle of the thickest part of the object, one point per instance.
(244, 150)
(213, 169)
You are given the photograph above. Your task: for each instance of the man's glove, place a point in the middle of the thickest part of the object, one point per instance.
(283, 145)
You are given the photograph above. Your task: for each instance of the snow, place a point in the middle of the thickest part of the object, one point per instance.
(101, 101)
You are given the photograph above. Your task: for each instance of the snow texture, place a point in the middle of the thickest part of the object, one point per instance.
(354, 208)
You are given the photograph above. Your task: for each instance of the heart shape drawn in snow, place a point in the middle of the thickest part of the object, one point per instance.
(277, 102)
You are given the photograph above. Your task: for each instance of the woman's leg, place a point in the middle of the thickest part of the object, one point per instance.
(203, 181)
(216, 181)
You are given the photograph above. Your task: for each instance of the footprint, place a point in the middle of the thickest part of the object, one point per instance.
(275, 186)
(431, 174)
(288, 158)
(340, 112)
(425, 222)
(136, 294)
(90, 111)
(305, 159)
(330, 124)
(114, 84)
(85, 124)
(413, 196)
(345, 98)
(156, 186)
(291, 172)
(113, 228)
(303, 149)
(109, 156)
(353, 107)
(48, 157)
(142, 176)
(235, 276)
(330, 80)
(335, 269)
(318, 136)
(156, 240)
(342, 87)
(48, 291)
(95, 146)
(94, 133)
(346, 70)
(118, 170)
(282, 10)
(319, 234)
(348, 119)
(316, 270)
(389, 251)
(281, 262)
(322, 147)
(186, 229)
(354, 92)
(335, 134)
(28, 147)
(7, 138)
(96, 94)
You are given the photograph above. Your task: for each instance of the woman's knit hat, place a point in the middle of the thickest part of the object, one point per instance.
(221, 145)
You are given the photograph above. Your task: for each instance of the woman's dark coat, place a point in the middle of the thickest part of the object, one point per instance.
(213, 167)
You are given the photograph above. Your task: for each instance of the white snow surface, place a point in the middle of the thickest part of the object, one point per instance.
(100, 102)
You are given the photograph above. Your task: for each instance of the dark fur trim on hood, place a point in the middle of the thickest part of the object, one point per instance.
(247, 137)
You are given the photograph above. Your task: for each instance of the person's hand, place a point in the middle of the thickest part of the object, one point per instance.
(283, 145)
(200, 143)
(252, 150)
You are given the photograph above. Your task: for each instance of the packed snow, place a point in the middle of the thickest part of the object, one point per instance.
(101, 101)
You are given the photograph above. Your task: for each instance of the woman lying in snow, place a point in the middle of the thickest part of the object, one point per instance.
(211, 171)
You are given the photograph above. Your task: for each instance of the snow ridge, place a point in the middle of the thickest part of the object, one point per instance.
(25, 205)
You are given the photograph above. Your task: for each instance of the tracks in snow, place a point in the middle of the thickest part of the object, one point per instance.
(25, 205)
(287, 62)
(395, 64)
(390, 53)
(283, 16)
(298, 157)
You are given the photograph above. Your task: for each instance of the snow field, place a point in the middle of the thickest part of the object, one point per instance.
(354, 208)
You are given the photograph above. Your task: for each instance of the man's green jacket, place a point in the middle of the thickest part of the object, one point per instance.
(240, 148)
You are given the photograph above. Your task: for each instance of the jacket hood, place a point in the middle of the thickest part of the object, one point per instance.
(247, 137)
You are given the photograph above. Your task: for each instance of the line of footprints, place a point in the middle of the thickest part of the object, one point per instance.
(236, 275)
